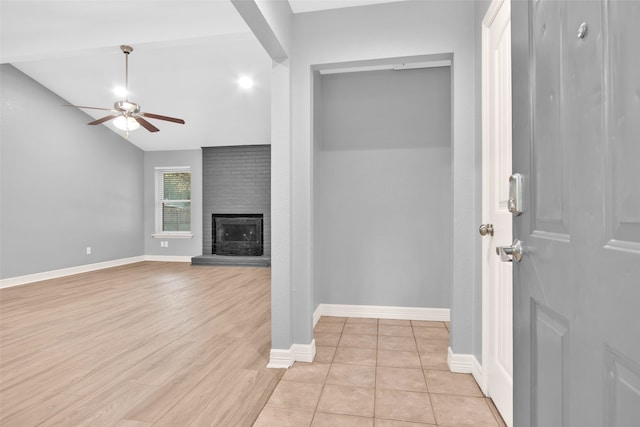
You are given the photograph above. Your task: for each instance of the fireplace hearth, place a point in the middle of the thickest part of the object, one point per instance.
(237, 234)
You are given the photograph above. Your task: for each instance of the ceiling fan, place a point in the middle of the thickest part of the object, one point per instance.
(126, 114)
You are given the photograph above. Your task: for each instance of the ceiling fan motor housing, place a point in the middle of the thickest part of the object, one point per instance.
(126, 107)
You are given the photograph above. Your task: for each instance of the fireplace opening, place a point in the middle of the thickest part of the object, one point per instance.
(238, 234)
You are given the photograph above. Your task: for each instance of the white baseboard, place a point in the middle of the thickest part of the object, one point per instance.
(55, 274)
(467, 364)
(167, 258)
(284, 358)
(279, 358)
(381, 312)
(304, 352)
(317, 314)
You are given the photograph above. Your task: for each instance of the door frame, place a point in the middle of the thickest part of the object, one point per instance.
(487, 337)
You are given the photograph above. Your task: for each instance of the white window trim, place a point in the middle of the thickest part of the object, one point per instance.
(157, 205)
(173, 235)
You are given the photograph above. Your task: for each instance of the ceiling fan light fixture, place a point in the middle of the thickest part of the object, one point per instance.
(126, 123)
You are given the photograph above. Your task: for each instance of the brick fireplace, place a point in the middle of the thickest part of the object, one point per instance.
(237, 184)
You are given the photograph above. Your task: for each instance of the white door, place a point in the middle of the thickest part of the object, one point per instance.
(497, 337)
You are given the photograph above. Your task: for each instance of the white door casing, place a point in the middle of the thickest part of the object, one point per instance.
(497, 280)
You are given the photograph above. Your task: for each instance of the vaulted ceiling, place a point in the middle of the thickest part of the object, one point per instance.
(188, 56)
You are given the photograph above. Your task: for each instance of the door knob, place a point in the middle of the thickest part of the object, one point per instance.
(511, 253)
(486, 229)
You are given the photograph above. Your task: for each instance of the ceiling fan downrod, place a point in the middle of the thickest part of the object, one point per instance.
(126, 50)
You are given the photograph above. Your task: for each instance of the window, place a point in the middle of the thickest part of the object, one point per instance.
(173, 202)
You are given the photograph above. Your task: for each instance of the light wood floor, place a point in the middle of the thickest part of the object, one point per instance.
(148, 344)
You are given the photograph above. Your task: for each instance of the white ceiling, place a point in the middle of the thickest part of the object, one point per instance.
(301, 6)
(187, 57)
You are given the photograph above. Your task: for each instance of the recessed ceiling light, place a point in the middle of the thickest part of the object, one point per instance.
(245, 82)
(120, 91)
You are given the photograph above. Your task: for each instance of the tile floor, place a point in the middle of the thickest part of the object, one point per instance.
(377, 372)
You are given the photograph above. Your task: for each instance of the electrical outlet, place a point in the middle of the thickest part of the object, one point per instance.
(166, 243)
(88, 250)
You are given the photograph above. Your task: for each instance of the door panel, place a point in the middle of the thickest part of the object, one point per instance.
(622, 404)
(549, 192)
(576, 115)
(549, 354)
(624, 126)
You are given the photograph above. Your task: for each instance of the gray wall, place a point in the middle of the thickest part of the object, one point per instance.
(64, 185)
(379, 32)
(382, 185)
(236, 180)
(177, 247)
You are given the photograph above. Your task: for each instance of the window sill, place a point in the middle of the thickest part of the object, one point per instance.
(172, 235)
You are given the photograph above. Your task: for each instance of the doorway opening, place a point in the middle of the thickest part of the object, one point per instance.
(381, 176)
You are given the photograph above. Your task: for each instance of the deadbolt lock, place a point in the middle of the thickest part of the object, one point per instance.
(514, 204)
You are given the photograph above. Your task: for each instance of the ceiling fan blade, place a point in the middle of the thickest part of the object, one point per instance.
(145, 124)
(91, 108)
(104, 119)
(159, 117)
